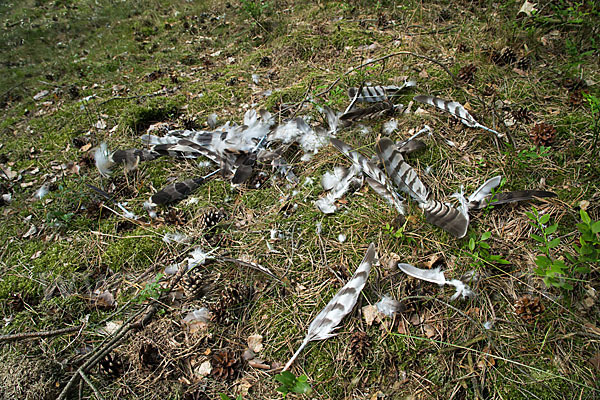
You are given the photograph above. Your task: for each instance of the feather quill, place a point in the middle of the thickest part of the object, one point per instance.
(456, 109)
(436, 275)
(484, 190)
(378, 181)
(339, 306)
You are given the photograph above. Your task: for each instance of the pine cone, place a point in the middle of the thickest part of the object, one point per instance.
(112, 365)
(175, 217)
(228, 306)
(225, 364)
(506, 56)
(211, 218)
(194, 283)
(522, 114)
(359, 345)
(467, 73)
(576, 97)
(523, 63)
(528, 308)
(462, 48)
(543, 134)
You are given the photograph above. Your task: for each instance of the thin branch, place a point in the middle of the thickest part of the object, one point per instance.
(398, 53)
(41, 334)
(90, 384)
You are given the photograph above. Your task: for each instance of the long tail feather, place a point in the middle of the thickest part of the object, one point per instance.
(339, 306)
(455, 109)
(176, 191)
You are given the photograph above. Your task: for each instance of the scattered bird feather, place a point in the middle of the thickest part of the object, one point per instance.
(339, 306)
(511, 197)
(375, 111)
(436, 275)
(456, 109)
(373, 94)
(388, 306)
(42, 191)
(390, 127)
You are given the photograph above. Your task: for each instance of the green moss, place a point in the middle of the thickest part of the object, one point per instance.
(132, 252)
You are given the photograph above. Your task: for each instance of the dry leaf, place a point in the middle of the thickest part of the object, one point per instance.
(527, 8)
(255, 343)
(429, 330)
(370, 313)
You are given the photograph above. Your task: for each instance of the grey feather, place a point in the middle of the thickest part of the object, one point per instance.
(375, 111)
(403, 175)
(339, 306)
(510, 197)
(176, 191)
(379, 182)
(484, 190)
(455, 109)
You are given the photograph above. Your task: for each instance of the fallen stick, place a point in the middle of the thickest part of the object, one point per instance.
(41, 334)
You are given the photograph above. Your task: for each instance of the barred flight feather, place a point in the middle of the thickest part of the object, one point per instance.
(456, 109)
(339, 306)
(379, 182)
(446, 217)
(403, 175)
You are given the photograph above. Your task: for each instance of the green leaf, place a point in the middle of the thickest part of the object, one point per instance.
(585, 217)
(471, 244)
(486, 236)
(285, 378)
(224, 396)
(301, 387)
(551, 229)
(530, 216)
(567, 286)
(596, 227)
(543, 261)
(544, 219)
(553, 243)
(538, 238)
(484, 245)
(582, 270)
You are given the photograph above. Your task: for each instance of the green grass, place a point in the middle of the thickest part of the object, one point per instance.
(105, 51)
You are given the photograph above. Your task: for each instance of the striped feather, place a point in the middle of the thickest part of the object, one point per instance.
(456, 109)
(339, 306)
(446, 217)
(176, 191)
(379, 182)
(403, 175)
(375, 111)
(510, 197)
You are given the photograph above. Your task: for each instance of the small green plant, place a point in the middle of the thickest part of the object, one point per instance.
(588, 252)
(152, 290)
(479, 251)
(529, 157)
(290, 383)
(594, 104)
(225, 397)
(553, 270)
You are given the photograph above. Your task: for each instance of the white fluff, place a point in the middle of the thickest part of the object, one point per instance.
(175, 237)
(341, 238)
(200, 315)
(341, 179)
(326, 205)
(388, 306)
(103, 161)
(437, 276)
(42, 191)
(197, 257)
(212, 121)
(256, 79)
(390, 126)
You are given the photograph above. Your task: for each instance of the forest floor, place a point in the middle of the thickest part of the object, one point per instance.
(79, 73)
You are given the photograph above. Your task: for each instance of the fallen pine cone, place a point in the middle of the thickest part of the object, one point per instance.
(225, 364)
(467, 73)
(528, 308)
(359, 345)
(543, 134)
(111, 365)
